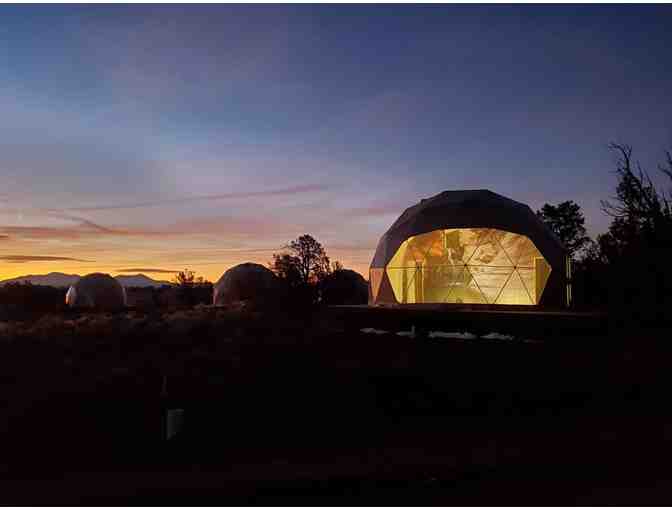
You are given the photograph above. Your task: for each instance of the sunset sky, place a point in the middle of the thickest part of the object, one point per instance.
(154, 138)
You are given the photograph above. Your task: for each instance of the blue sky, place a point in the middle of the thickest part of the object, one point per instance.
(291, 119)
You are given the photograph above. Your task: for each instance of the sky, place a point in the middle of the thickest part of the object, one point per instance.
(146, 138)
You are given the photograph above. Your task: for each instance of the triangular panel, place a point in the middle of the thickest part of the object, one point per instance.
(385, 292)
(424, 245)
(514, 292)
(473, 290)
(375, 279)
(525, 253)
(412, 285)
(452, 244)
(402, 281)
(511, 244)
(490, 280)
(406, 255)
(527, 276)
(542, 271)
(489, 251)
(471, 239)
(455, 289)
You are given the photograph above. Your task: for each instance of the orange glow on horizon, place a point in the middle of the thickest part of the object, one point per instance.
(41, 241)
(211, 271)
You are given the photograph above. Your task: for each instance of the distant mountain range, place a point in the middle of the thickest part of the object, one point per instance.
(140, 280)
(65, 280)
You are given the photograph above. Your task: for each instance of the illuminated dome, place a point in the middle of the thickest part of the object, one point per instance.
(245, 282)
(96, 290)
(471, 247)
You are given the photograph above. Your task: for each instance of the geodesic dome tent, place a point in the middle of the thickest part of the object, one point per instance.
(471, 247)
(344, 287)
(96, 290)
(246, 282)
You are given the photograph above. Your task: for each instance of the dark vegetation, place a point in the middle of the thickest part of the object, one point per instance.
(568, 223)
(191, 289)
(310, 278)
(21, 300)
(283, 408)
(626, 270)
(290, 403)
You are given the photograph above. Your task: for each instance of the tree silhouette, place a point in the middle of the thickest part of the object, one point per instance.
(638, 208)
(567, 222)
(184, 278)
(303, 266)
(192, 289)
(286, 266)
(304, 262)
(628, 267)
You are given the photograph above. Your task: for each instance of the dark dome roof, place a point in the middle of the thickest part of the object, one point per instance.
(96, 290)
(469, 209)
(245, 282)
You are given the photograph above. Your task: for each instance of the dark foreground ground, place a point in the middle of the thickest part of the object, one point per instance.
(282, 410)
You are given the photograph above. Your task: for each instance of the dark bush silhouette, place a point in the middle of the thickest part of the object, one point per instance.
(142, 297)
(191, 290)
(26, 297)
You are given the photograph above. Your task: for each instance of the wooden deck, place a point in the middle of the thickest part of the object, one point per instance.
(474, 318)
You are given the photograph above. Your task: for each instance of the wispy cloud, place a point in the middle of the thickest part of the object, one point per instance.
(90, 224)
(69, 233)
(295, 190)
(78, 228)
(64, 233)
(146, 270)
(18, 259)
(75, 227)
(231, 227)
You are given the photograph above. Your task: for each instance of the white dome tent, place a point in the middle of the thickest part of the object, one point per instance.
(96, 290)
(246, 282)
(469, 247)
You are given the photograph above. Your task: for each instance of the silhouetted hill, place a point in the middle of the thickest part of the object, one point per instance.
(51, 279)
(65, 280)
(140, 280)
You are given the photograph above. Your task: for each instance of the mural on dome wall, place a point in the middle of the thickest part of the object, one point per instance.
(467, 265)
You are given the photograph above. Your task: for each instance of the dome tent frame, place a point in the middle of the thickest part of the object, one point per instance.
(470, 214)
(246, 282)
(98, 291)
